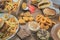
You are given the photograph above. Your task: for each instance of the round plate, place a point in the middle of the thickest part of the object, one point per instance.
(54, 31)
(1, 15)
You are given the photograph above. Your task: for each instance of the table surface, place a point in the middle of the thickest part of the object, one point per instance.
(30, 36)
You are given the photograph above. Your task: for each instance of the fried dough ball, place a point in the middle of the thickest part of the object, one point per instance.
(25, 18)
(34, 1)
(27, 14)
(42, 26)
(21, 21)
(45, 22)
(12, 19)
(31, 18)
(22, 14)
(46, 27)
(37, 19)
(39, 15)
(15, 5)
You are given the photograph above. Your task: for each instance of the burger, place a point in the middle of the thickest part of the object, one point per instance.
(49, 12)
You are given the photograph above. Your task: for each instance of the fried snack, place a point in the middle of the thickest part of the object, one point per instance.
(46, 27)
(38, 17)
(42, 26)
(31, 18)
(9, 28)
(49, 22)
(27, 14)
(8, 0)
(11, 6)
(12, 19)
(22, 14)
(15, 6)
(21, 21)
(34, 1)
(26, 18)
(45, 22)
(8, 6)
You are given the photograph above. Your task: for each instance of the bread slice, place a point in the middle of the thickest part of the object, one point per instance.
(44, 4)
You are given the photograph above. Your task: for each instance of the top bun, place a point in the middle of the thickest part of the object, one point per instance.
(49, 11)
(43, 4)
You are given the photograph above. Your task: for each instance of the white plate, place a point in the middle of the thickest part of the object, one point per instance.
(54, 31)
(1, 15)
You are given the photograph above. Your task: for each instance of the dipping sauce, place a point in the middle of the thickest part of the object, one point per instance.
(34, 26)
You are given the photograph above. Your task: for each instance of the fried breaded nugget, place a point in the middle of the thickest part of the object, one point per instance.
(22, 14)
(31, 18)
(26, 18)
(21, 21)
(42, 26)
(46, 27)
(27, 14)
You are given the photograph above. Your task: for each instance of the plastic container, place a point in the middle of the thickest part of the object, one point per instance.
(33, 26)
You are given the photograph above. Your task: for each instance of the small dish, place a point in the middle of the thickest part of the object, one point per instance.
(54, 32)
(43, 34)
(24, 5)
(33, 26)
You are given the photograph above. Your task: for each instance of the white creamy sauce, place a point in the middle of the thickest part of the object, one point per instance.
(34, 26)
